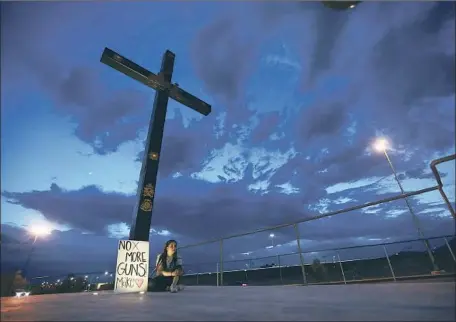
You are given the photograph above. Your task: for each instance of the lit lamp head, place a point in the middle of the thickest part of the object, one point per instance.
(381, 145)
(271, 235)
(39, 231)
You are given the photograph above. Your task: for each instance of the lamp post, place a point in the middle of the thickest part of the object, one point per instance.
(36, 232)
(271, 235)
(382, 145)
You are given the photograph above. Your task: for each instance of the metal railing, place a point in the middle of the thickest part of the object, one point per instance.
(438, 187)
(387, 264)
(389, 261)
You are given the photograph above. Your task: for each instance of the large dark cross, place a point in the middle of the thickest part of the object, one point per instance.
(142, 216)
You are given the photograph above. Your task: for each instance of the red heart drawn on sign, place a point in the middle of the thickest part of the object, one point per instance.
(139, 282)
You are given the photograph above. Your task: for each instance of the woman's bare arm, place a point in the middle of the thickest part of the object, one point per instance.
(159, 270)
(178, 272)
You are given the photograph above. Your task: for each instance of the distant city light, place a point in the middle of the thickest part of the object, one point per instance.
(106, 273)
(352, 6)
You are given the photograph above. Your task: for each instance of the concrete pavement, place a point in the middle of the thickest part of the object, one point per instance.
(366, 302)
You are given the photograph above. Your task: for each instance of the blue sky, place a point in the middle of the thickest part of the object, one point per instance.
(299, 93)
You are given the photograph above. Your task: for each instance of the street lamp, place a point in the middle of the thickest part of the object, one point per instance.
(271, 235)
(39, 231)
(382, 145)
(36, 231)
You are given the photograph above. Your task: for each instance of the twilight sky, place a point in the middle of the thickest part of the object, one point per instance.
(299, 93)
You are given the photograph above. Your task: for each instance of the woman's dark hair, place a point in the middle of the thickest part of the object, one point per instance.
(164, 255)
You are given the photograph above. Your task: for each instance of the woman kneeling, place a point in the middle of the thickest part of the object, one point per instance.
(168, 270)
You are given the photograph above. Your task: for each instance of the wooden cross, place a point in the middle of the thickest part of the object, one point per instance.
(142, 216)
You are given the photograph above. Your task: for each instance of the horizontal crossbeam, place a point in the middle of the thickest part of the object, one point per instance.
(142, 75)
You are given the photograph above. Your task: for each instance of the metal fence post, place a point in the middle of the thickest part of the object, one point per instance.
(197, 278)
(436, 173)
(280, 269)
(221, 262)
(449, 248)
(298, 240)
(447, 202)
(341, 267)
(389, 263)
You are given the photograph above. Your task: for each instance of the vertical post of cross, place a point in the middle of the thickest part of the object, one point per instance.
(142, 215)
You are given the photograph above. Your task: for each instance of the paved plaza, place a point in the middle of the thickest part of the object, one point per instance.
(363, 302)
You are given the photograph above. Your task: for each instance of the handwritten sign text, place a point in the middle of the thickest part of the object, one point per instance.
(132, 270)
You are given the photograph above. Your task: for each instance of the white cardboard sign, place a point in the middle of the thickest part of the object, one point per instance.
(132, 269)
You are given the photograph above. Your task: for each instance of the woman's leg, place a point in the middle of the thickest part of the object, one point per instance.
(160, 283)
(175, 286)
(175, 280)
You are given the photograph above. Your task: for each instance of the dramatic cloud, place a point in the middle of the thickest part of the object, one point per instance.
(268, 124)
(214, 213)
(183, 150)
(103, 118)
(381, 77)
